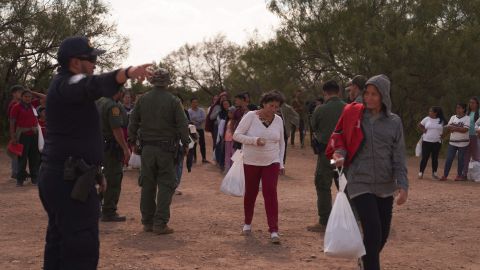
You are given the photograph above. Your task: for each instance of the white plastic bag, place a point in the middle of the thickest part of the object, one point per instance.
(474, 171)
(418, 148)
(191, 144)
(342, 235)
(234, 182)
(41, 140)
(135, 161)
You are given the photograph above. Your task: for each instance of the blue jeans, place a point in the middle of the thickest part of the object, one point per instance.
(179, 166)
(452, 150)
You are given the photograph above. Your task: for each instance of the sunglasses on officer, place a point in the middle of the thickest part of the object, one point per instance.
(92, 58)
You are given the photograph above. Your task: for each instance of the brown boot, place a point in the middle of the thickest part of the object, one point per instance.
(148, 227)
(317, 228)
(162, 230)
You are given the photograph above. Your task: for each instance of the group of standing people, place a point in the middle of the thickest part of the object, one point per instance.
(83, 134)
(222, 120)
(463, 129)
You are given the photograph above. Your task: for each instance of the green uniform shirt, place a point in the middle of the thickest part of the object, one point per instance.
(325, 118)
(112, 116)
(159, 115)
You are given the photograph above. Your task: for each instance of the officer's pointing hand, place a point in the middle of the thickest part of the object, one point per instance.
(140, 72)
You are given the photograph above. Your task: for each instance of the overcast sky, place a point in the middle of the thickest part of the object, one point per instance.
(157, 27)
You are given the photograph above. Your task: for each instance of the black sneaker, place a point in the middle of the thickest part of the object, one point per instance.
(113, 218)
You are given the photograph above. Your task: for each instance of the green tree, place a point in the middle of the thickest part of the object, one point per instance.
(32, 30)
(203, 66)
(427, 48)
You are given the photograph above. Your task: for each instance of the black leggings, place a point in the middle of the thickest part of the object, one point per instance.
(427, 149)
(376, 216)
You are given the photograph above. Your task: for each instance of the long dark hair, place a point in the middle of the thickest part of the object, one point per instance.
(223, 114)
(476, 111)
(464, 107)
(439, 112)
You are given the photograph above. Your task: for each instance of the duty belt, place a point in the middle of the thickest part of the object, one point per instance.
(167, 145)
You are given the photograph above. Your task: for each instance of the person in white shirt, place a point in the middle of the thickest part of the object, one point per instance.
(261, 133)
(432, 129)
(458, 126)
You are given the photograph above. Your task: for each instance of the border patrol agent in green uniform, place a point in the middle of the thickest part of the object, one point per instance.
(324, 120)
(113, 118)
(160, 119)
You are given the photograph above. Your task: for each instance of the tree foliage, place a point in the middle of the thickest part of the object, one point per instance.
(32, 30)
(429, 49)
(203, 66)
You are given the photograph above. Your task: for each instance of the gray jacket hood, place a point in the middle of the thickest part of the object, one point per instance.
(382, 82)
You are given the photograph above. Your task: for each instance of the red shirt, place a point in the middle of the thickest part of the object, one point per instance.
(24, 117)
(10, 106)
(36, 102)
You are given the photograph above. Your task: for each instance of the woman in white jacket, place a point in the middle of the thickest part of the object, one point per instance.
(261, 133)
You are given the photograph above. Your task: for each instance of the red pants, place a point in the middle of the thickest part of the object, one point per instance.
(269, 177)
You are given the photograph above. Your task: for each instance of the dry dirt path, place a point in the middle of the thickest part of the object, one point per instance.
(439, 227)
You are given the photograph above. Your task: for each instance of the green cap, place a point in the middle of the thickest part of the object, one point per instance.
(161, 78)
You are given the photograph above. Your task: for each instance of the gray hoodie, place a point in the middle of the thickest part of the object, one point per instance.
(379, 166)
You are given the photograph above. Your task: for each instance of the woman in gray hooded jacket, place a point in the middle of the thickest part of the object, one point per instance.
(378, 169)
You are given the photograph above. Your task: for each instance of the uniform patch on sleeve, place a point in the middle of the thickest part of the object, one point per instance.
(76, 78)
(115, 111)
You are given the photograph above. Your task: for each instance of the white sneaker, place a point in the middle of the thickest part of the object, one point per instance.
(435, 176)
(420, 175)
(275, 238)
(247, 229)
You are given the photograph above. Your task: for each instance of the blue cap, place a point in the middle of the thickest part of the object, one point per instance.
(76, 46)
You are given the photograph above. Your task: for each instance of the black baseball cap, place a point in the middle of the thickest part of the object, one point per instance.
(76, 46)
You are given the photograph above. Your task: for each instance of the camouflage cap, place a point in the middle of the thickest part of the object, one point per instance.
(161, 78)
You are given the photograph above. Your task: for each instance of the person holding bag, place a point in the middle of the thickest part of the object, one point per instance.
(261, 133)
(369, 141)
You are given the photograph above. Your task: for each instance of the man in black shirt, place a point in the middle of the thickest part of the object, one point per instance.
(75, 137)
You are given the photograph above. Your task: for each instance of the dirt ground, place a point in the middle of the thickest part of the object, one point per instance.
(438, 228)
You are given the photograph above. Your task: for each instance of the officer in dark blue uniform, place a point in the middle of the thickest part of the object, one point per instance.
(73, 153)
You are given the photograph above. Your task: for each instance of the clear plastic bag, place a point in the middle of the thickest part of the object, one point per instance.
(418, 147)
(234, 182)
(135, 161)
(474, 171)
(41, 140)
(342, 235)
